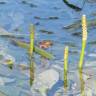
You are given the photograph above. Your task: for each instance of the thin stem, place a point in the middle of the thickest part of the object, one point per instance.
(32, 29)
(31, 48)
(65, 66)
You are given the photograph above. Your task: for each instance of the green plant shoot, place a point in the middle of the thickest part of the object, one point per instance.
(32, 28)
(31, 48)
(65, 65)
(84, 39)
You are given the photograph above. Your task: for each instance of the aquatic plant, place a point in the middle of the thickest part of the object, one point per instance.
(65, 65)
(84, 39)
(31, 47)
(35, 49)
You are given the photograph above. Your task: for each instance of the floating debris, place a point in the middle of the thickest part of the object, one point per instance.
(45, 44)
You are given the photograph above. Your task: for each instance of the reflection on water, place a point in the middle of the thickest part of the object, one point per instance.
(65, 81)
(82, 83)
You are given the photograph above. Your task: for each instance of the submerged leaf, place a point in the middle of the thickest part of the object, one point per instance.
(36, 49)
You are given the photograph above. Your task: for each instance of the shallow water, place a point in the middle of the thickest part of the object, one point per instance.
(50, 18)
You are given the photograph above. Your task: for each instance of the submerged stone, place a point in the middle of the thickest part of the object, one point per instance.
(45, 81)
